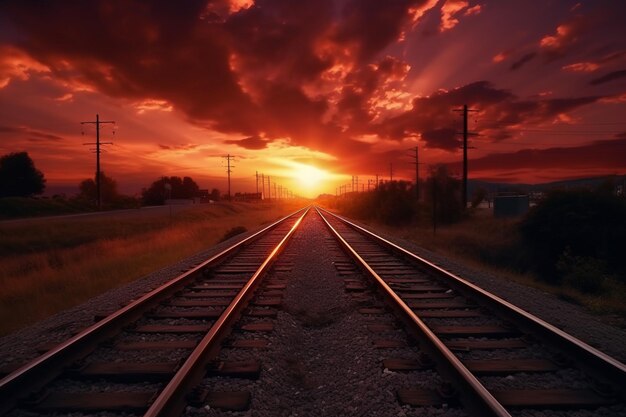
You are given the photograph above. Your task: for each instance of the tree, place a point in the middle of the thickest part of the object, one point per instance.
(108, 189)
(445, 195)
(189, 188)
(19, 177)
(215, 194)
(169, 187)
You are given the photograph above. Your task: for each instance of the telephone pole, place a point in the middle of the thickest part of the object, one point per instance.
(417, 173)
(98, 122)
(229, 170)
(465, 134)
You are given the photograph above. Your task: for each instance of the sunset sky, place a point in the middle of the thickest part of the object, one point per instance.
(313, 92)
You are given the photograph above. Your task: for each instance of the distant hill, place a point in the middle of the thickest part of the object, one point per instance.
(548, 186)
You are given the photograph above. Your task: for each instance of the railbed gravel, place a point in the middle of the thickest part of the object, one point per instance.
(362, 395)
(321, 361)
(571, 318)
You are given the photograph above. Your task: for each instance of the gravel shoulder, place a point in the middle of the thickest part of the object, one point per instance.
(568, 317)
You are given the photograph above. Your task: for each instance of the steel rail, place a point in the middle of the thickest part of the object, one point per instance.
(171, 400)
(473, 394)
(43, 369)
(598, 364)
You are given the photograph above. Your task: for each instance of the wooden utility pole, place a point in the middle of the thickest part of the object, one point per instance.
(417, 173)
(465, 134)
(98, 122)
(229, 170)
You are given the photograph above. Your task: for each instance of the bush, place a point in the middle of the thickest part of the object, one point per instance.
(391, 203)
(583, 273)
(586, 225)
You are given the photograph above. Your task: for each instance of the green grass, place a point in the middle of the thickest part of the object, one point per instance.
(50, 265)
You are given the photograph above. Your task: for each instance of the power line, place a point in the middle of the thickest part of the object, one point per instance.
(98, 122)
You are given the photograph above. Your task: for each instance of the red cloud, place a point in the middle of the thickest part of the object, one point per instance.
(566, 35)
(432, 116)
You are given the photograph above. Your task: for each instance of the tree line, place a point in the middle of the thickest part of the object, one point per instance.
(20, 178)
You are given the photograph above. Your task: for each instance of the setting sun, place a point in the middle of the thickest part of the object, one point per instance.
(308, 176)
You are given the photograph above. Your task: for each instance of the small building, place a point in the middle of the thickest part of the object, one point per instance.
(510, 205)
(248, 196)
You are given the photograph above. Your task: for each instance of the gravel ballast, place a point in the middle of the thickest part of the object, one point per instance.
(321, 359)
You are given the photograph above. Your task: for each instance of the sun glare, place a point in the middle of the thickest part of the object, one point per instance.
(309, 177)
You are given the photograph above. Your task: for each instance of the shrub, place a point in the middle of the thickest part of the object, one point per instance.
(583, 273)
(589, 225)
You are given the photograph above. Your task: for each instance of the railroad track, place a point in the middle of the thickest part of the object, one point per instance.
(164, 351)
(494, 353)
(146, 357)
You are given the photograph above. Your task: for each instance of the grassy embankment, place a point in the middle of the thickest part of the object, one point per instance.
(48, 266)
(495, 246)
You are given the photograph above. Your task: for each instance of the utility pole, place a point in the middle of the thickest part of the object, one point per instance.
(417, 173)
(465, 134)
(257, 182)
(376, 187)
(98, 122)
(228, 170)
(269, 188)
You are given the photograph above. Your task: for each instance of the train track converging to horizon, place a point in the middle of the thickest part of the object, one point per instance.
(317, 310)
(494, 352)
(165, 339)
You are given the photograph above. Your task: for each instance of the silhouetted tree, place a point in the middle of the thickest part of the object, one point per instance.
(445, 191)
(108, 189)
(169, 187)
(189, 188)
(215, 194)
(19, 177)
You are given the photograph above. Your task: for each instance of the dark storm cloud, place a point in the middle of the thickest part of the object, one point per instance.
(607, 152)
(499, 111)
(240, 72)
(615, 75)
(259, 72)
(371, 25)
(433, 117)
(29, 134)
(523, 60)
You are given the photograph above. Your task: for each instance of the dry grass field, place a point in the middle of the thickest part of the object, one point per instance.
(494, 245)
(48, 265)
